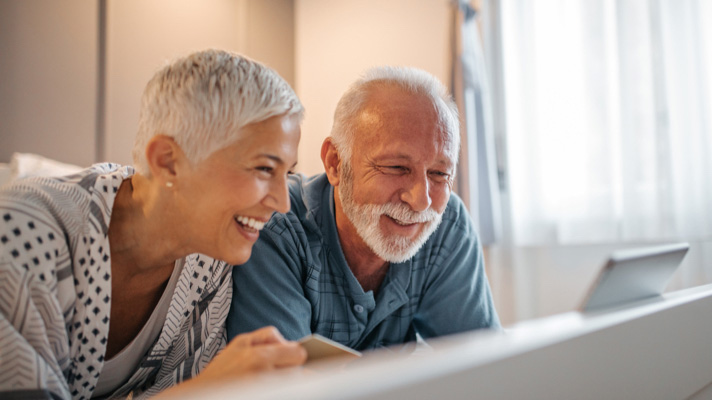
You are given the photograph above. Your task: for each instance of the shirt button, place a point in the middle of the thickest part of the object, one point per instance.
(358, 308)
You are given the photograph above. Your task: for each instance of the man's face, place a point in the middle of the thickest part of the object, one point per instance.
(398, 181)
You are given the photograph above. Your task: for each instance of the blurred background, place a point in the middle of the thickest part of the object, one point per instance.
(586, 123)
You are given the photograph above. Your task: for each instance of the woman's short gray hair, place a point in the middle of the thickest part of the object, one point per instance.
(203, 99)
(411, 80)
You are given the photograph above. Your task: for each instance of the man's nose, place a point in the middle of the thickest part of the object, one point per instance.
(417, 194)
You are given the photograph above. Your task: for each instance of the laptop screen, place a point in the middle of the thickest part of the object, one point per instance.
(634, 274)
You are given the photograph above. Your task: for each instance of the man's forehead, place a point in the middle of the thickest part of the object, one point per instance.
(392, 94)
(383, 144)
(390, 104)
(392, 118)
(442, 150)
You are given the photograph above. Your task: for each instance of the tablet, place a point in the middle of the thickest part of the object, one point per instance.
(634, 274)
(318, 347)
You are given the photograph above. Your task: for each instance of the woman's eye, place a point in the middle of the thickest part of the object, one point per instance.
(265, 169)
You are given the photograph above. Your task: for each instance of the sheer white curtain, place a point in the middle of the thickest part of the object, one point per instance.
(477, 180)
(609, 119)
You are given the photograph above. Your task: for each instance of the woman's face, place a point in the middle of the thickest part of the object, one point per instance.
(230, 195)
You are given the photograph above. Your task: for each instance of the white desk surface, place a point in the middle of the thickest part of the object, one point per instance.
(654, 349)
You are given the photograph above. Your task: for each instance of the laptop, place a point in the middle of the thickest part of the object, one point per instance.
(634, 274)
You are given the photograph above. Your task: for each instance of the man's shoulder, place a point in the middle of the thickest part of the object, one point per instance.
(456, 215)
(307, 192)
(306, 203)
(456, 230)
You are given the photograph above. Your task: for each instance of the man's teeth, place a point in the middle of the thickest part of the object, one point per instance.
(250, 222)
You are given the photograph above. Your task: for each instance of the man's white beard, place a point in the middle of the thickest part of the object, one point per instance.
(366, 217)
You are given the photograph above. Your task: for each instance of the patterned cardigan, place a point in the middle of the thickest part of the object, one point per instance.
(55, 294)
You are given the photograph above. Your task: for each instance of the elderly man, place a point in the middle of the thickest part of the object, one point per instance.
(377, 250)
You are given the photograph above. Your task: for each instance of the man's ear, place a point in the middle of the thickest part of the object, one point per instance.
(162, 153)
(332, 161)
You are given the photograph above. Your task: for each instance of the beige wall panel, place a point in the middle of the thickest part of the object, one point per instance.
(337, 40)
(143, 35)
(270, 35)
(48, 58)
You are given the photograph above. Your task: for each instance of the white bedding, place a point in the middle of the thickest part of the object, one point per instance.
(23, 165)
(5, 173)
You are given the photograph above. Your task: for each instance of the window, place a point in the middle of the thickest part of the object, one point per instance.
(608, 113)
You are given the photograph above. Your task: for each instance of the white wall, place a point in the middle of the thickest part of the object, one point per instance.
(49, 64)
(48, 75)
(48, 60)
(270, 34)
(539, 281)
(337, 40)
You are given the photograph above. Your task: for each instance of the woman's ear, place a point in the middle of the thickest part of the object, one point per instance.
(162, 154)
(332, 161)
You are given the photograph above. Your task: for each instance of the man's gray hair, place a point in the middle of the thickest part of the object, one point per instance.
(411, 80)
(203, 99)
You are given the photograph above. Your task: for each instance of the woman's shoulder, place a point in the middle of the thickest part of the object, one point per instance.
(63, 202)
(75, 186)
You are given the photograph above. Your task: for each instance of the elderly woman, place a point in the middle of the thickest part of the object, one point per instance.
(116, 281)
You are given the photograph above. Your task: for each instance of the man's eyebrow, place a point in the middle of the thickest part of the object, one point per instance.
(405, 156)
(446, 161)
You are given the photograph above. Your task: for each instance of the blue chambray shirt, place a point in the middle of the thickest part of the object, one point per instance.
(298, 280)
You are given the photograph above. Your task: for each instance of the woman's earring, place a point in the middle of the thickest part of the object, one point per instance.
(169, 184)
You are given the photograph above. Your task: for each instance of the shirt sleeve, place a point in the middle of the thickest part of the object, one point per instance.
(268, 289)
(33, 342)
(457, 296)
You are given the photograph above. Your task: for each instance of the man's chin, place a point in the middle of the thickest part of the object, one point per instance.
(399, 258)
(395, 256)
(398, 249)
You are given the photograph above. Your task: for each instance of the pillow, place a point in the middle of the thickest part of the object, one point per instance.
(24, 165)
(5, 173)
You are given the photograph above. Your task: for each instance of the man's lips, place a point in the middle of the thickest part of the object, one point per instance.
(402, 228)
(402, 223)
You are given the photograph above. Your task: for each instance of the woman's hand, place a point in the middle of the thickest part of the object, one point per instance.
(262, 350)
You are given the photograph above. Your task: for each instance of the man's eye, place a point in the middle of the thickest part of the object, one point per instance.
(440, 176)
(396, 168)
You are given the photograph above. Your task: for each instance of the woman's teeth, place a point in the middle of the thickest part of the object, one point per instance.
(250, 222)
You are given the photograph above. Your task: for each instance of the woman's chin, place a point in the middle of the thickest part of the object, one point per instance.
(238, 257)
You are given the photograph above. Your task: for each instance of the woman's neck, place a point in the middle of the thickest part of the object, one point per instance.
(142, 260)
(141, 244)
